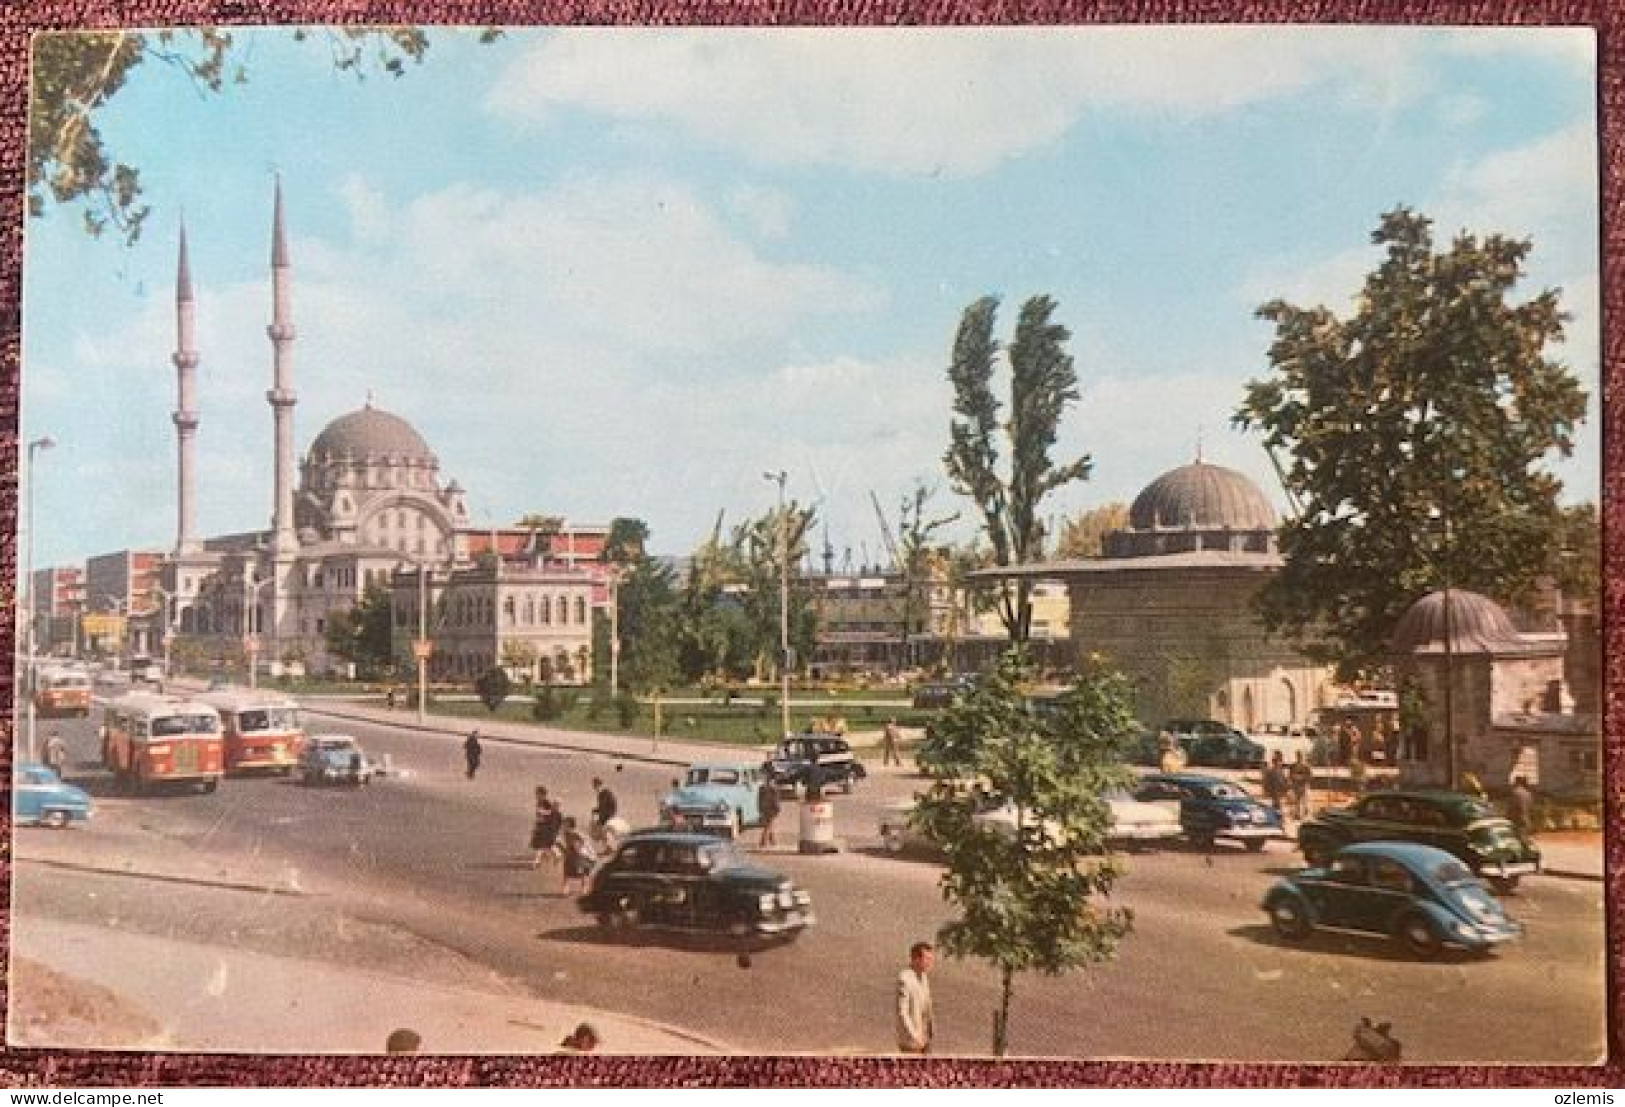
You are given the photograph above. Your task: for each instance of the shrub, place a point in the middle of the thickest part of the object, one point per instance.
(493, 687)
(627, 708)
(545, 706)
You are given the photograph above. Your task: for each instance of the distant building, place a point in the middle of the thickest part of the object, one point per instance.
(369, 509)
(56, 597)
(1171, 604)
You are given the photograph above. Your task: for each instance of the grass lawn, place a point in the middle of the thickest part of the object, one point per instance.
(738, 724)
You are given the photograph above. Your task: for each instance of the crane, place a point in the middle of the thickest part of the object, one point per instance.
(885, 532)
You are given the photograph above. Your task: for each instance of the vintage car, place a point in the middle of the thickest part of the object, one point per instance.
(1456, 823)
(38, 797)
(333, 759)
(1212, 808)
(1422, 897)
(941, 693)
(806, 764)
(718, 797)
(694, 882)
(1132, 823)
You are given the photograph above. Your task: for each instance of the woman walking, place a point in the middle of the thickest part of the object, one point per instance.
(544, 831)
(579, 860)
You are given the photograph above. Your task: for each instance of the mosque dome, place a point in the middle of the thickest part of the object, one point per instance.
(1473, 623)
(370, 432)
(1202, 496)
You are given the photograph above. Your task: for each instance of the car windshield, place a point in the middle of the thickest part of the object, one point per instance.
(267, 718)
(1453, 873)
(1228, 791)
(164, 726)
(714, 857)
(699, 775)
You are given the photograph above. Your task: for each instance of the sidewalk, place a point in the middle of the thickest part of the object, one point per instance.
(84, 987)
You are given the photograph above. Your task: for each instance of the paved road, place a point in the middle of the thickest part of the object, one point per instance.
(437, 861)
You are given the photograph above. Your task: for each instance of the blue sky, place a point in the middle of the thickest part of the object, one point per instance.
(623, 272)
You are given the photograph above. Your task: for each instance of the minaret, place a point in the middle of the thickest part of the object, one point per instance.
(186, 419)
(281, 396)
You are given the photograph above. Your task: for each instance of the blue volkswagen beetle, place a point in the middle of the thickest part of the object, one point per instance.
(1422, 897)
(39, 797)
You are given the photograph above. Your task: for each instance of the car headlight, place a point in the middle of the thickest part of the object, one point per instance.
(787, 898)
(766, 902)
(158, 750)
(1462, 930)
(719, 808)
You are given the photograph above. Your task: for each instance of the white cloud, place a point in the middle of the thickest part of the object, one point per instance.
(1548, 185)
(955, 101)
(767, 211)
(1331, 281)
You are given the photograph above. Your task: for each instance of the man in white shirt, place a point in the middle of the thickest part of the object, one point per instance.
(914, 1022)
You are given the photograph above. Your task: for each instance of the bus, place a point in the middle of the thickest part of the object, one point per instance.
(262, 729)
(148, 738)
(62, 692)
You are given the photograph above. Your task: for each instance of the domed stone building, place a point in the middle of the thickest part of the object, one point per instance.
(1170, 604)
(1495, 699)
(370, 509)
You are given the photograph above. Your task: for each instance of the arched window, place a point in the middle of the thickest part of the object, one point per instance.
(581, 609)
(564, 610)
(547, 611)
(530, 609)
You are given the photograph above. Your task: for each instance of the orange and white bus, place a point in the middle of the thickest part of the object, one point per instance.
(148, 738)
(62, 692)
(262, 729)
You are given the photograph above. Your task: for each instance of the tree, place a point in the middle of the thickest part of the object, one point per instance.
(761, 548)
(75, 74)
(914, 532)
(1575, 551)
(1084, 535)
(1029, 892)
(1043, 382)
(364, 634)
(1416, 431)
(493, 687)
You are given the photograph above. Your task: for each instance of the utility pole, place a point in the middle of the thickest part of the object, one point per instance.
(34, 447)
(784, 603)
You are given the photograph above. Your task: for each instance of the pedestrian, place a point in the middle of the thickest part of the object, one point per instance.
(888, 744)
(914, 1018)
(767, 804)
(1300, 776)
(1357, 771)
(544, 829)
(1170, 758)
(583, 1039)
(389, 697)
(1521, 806)
(55, 754)
(471, 753)
(403, 1040)
(1276, 784)
(579, 860)
(604, 805)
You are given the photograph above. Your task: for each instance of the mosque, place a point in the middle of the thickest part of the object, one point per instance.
(370, 509)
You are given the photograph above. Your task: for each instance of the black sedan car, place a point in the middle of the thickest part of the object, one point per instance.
(1424, 898)
(1211, 807)
(1459, 824)
(806, 764)
(694, 883)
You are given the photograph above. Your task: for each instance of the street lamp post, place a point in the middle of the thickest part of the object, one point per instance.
(784, 603)
(44, 442)
(1442, 517)
(420, 648)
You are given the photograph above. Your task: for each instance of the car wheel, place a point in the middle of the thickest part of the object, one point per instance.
(846, 785)
(798, 789)
(1289, 918)
(1503, 885)
(892, 838)
(210, 785)
(56, 820)
(1202, 839)
(1314, 854)
(1416, 934)
(1256, 845)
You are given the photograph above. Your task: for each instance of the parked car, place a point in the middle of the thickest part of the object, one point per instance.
(1424, 898)
(941, 693)
(1211, 808)
(698, 883)
(806, 764)
(333, 759)
(716, 797)
(1132, 822)
(39, 797)
(1459, 824)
